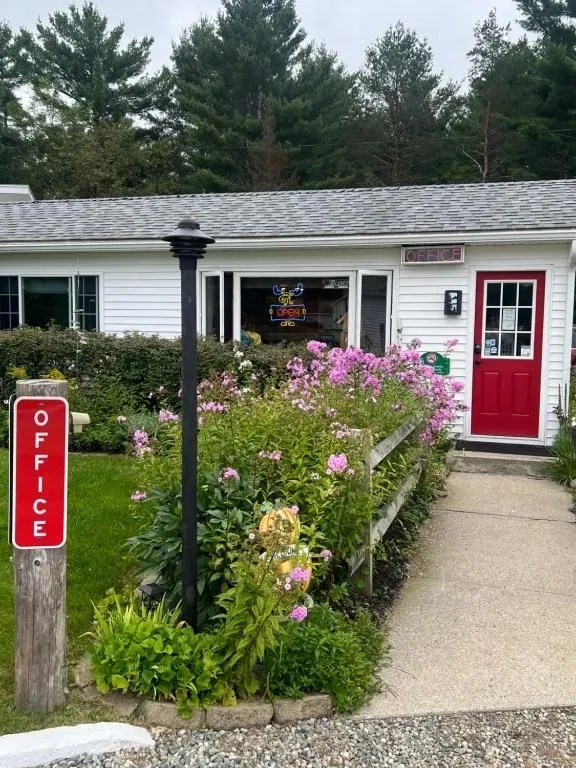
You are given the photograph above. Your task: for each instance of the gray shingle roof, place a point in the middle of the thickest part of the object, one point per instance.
(388, 210)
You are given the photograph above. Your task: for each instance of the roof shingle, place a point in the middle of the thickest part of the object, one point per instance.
(303, 213)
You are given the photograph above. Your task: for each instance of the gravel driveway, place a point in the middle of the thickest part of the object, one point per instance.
(521, 739)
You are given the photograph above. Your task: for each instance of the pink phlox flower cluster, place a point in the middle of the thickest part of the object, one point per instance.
(337, 463)
(140, 442)
(165, 416)
(213, 407)
(300, 574)
(326, 555)
(299, 613)
(228, 474)
(451, 344)
(272, 455)
(138, 496)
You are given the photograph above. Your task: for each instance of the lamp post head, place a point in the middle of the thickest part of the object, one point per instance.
(188, 240)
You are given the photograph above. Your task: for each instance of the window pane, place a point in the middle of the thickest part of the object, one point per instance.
(524, 345)
(213, 306)
(526, 295)
(509, 294)
(87, 302)
(373, 313)
(524, 319)
(493, 294)
(507, 345)
(46, 301)
(294, 309)
(228, 306)
(492, 319)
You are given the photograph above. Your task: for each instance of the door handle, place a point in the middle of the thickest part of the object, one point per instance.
(477, 349)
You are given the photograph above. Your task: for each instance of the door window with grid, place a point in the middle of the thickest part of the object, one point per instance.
(509, 319)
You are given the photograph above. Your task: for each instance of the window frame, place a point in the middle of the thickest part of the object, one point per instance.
(72, 292)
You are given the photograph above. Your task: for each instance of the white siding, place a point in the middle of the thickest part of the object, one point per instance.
(138, 291)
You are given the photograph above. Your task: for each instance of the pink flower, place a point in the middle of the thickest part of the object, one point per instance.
(228, 474)
(138, 496)
(251, 535)
(272, 455)
(326, 555)
(299, 613)
(295, 509)
(300, 574)
(165, 417)
(316, 347)
(121, 419)
(287, 585)
(337, 463)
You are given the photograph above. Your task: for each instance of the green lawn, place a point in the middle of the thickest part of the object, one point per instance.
(99, 522)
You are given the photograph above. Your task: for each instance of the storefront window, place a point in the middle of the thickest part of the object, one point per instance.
(295, 309)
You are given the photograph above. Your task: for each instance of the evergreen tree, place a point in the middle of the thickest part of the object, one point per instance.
(12, 115)
(492, 139)
(76, 61)
(227, 75)
(553, 125)
(314, 121)
(407, 109)
(73, 160)
(552, 20)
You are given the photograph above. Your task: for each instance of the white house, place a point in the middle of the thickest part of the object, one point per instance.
(489, 265)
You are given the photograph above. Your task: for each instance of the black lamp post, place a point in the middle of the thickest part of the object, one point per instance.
(188, 244)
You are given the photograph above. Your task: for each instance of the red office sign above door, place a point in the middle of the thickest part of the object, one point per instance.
(39, 472)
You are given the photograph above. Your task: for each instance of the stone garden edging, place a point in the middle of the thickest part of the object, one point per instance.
(245, 714)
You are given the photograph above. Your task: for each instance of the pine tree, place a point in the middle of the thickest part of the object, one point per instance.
(76, 61)
(12, 115)
(227, 76)
(552, 20)
(407, 109)
(314, 121)
(491, 137)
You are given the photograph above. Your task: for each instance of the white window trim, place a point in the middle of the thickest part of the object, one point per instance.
(353, 329)
(35, 273)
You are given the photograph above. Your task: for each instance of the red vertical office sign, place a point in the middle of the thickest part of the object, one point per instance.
(39, 472)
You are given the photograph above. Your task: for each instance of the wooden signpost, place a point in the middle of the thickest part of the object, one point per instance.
(39, 461)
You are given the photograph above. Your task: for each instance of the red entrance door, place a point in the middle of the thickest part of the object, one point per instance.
(508, 353)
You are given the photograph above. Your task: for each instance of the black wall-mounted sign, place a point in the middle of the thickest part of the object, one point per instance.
(453, 303)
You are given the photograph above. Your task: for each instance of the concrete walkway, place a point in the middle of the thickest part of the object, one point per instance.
(487, 619)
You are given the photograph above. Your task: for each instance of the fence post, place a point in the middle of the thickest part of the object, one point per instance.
(367, 568)
(40, 603)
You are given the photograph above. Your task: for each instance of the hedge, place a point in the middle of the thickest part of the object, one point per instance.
(111, 374)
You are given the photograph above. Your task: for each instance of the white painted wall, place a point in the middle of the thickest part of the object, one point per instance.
(140, 291)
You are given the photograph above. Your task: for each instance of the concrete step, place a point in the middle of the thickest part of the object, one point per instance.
(497, 463)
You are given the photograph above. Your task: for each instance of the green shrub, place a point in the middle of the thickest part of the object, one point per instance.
(562, 468)
(327, 653)
(150, 654)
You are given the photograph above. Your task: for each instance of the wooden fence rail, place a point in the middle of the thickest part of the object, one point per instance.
(385, 516)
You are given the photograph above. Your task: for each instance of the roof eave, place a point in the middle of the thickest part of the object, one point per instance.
(500, 237)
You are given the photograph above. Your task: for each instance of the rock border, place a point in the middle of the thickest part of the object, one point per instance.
(245, 714)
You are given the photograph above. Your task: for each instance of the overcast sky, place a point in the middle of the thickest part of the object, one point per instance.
(346, 26)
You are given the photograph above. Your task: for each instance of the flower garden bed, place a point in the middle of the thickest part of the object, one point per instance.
(286, 497)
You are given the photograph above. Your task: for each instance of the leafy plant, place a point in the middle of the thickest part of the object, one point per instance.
(562, 468)
(150, 654)
(328, 653)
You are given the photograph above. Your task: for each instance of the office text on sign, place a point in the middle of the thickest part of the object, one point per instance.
(39, 472)
(443, 254)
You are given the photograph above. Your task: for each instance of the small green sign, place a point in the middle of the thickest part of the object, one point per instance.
(440, 363)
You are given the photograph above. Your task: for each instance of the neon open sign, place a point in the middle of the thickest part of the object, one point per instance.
(441, 254)
(286, 312)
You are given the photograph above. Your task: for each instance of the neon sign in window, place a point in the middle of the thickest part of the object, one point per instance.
(287, 313)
